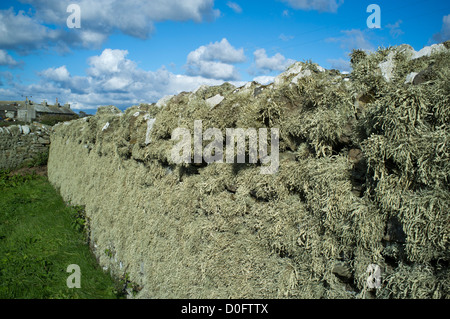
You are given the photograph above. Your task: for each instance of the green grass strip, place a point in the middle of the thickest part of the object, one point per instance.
(40, 236)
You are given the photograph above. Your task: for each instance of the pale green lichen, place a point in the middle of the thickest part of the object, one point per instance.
(363, 179)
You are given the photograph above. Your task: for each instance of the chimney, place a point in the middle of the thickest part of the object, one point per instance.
(57, 104)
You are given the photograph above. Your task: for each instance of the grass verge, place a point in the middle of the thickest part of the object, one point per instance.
(40, 236)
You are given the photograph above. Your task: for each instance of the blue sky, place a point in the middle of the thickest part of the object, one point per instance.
(130, 52)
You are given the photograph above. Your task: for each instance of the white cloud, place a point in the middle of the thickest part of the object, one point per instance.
(6, 59)
(215, 61)
(444, 34)
(264, 79)
(126, 15)
(264, 64)
(214, 70)
(99, 19)
(117, 83)
(22, 33)
(178, 83)
(109, 62)
(353, 39)
(319, 5)
(233, 5)
(88, 38)
(8, 94)
(61, 78)
(57, 74)
(111, 78)
(221, 51)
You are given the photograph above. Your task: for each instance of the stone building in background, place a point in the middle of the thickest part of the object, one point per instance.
(28, 111)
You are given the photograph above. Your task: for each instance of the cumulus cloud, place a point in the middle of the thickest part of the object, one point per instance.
(8, 94)
(444, 34)
(215, 61)
(221, 51)
(56, 74)
(111, 78)
(61, 78)
(132, 13)
(318, 5)
(264, 79)
(88, 38)
(110, 62)
(99, 18)
(23, 33)
(264, 64)
(214, 70)
(6, 59)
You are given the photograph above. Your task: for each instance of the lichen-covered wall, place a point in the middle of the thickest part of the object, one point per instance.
(20, 143)
(363, 180)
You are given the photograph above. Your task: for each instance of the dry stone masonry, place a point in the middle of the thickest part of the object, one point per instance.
(21, 143)
(362, 188)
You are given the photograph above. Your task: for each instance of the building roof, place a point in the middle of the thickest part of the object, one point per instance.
(12, 103)
(8, 107)
(53, 109)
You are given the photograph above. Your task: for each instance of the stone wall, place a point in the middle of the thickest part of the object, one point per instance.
(21, 143)
(362, 184)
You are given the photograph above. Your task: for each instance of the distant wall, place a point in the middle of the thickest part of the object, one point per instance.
(26, 115)
(20, 143)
